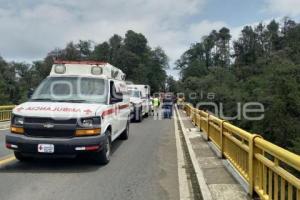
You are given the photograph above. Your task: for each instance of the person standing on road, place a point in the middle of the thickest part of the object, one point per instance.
(156, 104)
(168, 106)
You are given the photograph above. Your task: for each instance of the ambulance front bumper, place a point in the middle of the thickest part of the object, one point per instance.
(68, 147)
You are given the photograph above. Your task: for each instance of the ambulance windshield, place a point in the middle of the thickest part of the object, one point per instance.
(134, 93)
(72, 89)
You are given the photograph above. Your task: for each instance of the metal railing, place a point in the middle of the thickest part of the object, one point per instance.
(5, 112)
(269, 170)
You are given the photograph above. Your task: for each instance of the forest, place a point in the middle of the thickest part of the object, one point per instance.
(262, 65)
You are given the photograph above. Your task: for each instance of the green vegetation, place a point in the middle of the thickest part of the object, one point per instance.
(141, 64)
(262, 65)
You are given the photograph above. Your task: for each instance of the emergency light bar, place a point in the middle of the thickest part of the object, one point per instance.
(85, 62)
(86, 68)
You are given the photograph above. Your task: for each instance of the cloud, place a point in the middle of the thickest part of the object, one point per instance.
(30, 30)
(31, 33)
(284, 7)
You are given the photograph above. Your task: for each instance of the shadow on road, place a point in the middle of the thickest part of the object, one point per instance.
(80, 164)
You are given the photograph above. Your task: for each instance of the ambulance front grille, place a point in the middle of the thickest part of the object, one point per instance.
(45, 133)
(49, 120)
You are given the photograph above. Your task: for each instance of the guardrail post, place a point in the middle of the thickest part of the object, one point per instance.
(196, 117)
(251, 163)
(222, 139)
(208, 126)
(199, 119)
(250, 167)
(193, 116)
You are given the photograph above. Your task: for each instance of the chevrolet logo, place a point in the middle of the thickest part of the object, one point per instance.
(48, 125)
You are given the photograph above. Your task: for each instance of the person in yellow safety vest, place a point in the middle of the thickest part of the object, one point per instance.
(156, 104)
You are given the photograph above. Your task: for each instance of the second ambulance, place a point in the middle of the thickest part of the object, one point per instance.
(139, 101)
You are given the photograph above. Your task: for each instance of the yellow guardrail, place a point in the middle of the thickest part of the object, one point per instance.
(5, 112)
(269, 170)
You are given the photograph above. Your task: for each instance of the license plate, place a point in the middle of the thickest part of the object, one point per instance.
(45, 148)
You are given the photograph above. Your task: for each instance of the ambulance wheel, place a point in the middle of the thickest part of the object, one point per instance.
(125, 134)
(103, 157)
(20, 157)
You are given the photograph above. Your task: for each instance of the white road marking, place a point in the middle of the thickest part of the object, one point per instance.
(184, 192)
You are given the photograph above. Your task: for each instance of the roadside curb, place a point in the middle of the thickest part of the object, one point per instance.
(206, 194)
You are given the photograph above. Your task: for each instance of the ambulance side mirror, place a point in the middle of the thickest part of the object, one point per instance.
(115, 100)
(115, 97)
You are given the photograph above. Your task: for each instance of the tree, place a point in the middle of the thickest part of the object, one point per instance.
(4, 97)
(135, 42)
(245, 47)
(222, 57)
(115, 43)
(208, 44)
(101, 52)
(172, 85)
(157, 63)
(84, 48)
(71, 52)
(272, 33)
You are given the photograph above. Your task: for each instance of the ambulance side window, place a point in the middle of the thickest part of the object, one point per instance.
(115, 97)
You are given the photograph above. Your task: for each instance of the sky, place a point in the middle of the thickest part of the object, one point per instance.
(29, 29)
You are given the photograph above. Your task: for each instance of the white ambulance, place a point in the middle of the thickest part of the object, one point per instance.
(80, 108)
(139, 101)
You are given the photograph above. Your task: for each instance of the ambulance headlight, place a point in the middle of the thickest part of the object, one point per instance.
(18, 120)
(60, 69)
(89, 122)
(17, 124)
(96, 70)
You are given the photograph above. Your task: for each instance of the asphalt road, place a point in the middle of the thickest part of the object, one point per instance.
(143, 167)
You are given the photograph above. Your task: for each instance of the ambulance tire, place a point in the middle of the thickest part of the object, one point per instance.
(147, 114)
(125, 134)
(20, 157)
(103, 157)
